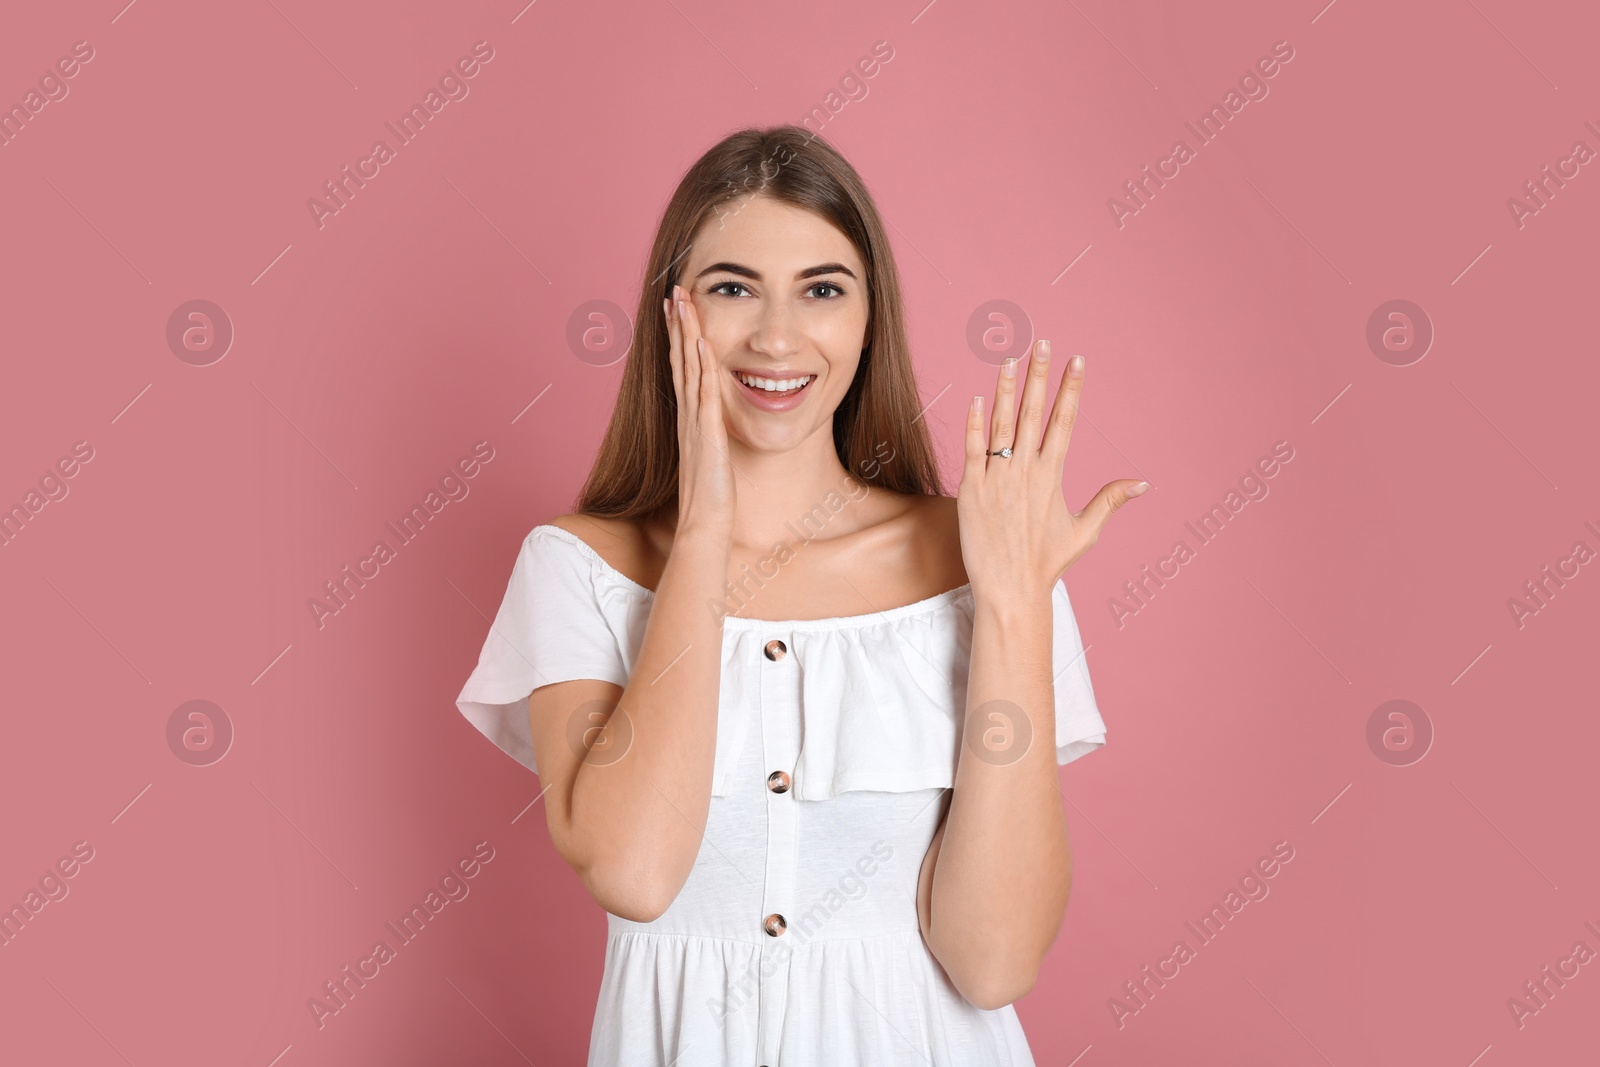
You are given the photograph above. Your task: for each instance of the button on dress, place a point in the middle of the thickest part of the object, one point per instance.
(794, 942)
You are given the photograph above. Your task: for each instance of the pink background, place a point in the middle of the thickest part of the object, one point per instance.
(1228, 314)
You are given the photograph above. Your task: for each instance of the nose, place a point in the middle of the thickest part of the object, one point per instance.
(777, 331)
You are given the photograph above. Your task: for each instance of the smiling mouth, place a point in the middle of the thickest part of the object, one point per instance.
(774, 387)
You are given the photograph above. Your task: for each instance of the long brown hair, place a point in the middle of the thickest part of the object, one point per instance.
(635, 474)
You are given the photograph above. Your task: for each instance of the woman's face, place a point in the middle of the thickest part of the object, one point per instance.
(781, 295)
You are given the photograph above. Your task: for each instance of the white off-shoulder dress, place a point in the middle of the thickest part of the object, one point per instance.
(794, 942)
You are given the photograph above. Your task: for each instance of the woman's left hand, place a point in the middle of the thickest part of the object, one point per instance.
(1017, 536)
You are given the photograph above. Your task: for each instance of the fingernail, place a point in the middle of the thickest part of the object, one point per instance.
(1044, 350)
(1008, 368)
(700, 346)
(1135, 490)
(1075, 366)
(680, 309)
(666, 308)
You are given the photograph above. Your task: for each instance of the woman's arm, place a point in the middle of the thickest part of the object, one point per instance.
(995, 882)
(629, 818)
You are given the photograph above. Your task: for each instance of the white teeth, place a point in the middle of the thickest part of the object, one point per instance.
(774, 385)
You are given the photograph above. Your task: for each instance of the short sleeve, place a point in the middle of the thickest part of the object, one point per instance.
(550, 628)
(1079, 728)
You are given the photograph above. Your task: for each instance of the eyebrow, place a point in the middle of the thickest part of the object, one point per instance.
(755, 275)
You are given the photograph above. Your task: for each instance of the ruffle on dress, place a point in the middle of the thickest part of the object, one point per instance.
(882, 694)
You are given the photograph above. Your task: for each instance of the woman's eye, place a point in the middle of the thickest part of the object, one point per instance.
(829, 290)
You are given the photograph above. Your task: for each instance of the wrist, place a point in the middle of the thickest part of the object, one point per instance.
(703, 538)
(1020, 612)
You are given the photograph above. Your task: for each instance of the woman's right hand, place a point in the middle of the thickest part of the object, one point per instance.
(705, 473)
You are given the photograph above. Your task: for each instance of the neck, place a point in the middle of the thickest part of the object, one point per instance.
(794, 496)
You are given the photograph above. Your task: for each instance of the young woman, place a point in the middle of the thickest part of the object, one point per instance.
(797, 714)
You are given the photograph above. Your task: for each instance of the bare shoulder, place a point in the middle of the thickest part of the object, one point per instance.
(622, 543)
(595, 530)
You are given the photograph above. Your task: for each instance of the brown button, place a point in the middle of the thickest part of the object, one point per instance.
(774, 925)
(778, 781)
(776, 650)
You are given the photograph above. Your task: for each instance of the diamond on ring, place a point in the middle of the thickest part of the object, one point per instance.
(1003, 453)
